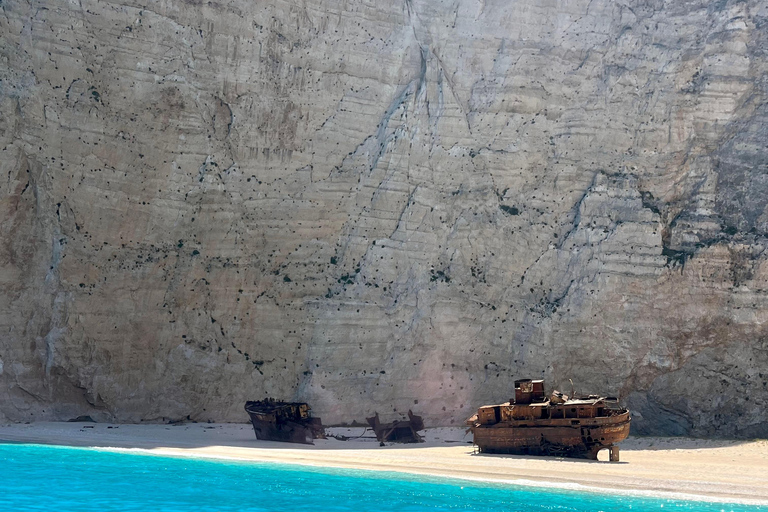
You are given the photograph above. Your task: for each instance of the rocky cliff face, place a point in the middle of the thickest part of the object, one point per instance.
(383, 206)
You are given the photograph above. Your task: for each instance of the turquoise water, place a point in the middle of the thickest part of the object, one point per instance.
(34, 477)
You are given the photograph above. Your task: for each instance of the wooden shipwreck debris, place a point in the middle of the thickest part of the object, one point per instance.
(535, 424)
(398, 431)
(284, 421)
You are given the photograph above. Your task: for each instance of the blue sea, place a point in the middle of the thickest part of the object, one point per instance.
(35, 477)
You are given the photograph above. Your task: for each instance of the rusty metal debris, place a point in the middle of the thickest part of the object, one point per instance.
(399, 431)
(558, 425)
(284, 421)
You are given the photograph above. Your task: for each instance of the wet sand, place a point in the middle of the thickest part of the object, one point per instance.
(732, 471)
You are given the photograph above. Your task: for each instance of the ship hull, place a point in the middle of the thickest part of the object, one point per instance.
(278, 421)
(582, 438)
(289, 432)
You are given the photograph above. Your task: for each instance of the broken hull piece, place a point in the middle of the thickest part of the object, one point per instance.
(559, 426)
(288, 422)
(399, 431)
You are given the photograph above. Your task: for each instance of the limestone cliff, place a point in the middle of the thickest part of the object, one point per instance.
(382, 206)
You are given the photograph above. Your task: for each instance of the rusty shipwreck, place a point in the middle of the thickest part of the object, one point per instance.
(535, 424)
(289, 422)
(398, 431)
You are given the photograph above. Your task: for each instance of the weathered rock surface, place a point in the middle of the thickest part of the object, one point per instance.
(377, 206)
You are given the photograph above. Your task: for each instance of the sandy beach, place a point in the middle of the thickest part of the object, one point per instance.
(732, 471)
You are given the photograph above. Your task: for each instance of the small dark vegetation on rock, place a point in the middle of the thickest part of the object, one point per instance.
(509, 210)
(439, 275)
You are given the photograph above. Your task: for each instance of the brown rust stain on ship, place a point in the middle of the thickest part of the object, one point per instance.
(534, 424)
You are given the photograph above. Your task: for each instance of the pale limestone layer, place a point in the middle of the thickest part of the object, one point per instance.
(379, 206)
